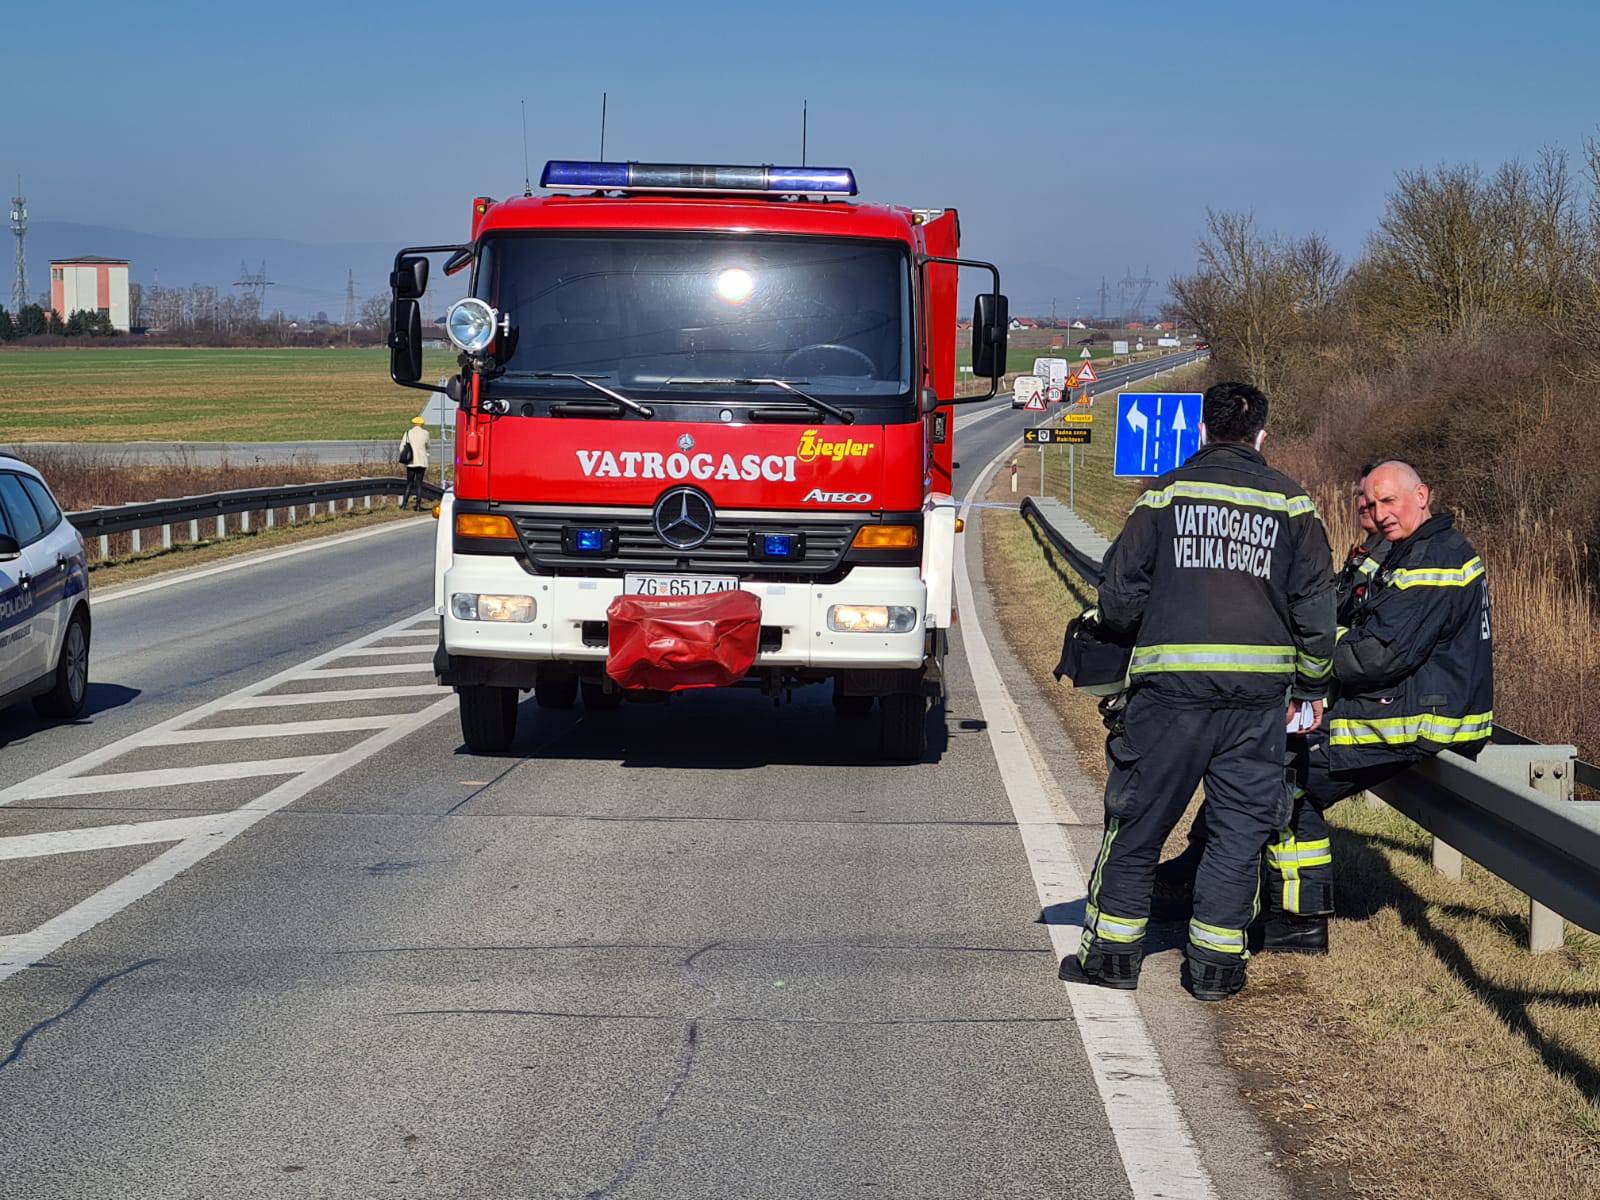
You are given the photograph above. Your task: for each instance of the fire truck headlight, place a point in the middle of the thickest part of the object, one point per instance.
(470, 324)
(872, 618)
(735, 284)
(474, 606)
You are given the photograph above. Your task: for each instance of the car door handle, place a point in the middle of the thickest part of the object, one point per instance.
(25, 579)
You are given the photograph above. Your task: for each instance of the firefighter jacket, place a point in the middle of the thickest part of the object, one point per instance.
(1415, 673)
(1223, 568)
(1355, 577)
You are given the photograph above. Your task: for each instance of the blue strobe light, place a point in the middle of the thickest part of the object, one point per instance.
(697, 177)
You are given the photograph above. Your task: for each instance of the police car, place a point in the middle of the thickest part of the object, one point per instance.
(44, 598)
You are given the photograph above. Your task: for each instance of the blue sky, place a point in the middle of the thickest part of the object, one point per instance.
(1076, 141)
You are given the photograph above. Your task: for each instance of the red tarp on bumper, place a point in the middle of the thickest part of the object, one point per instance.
(669, 643)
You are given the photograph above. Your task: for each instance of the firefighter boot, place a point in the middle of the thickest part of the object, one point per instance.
(1212, 981)
(1288, 934)
(1107, 968)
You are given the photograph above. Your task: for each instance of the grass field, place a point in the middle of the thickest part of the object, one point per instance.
(159, 394)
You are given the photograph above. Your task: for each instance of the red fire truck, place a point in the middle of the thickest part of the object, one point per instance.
(704, 439)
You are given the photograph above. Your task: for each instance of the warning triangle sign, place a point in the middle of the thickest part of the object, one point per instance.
(1035, 401)
(1086, 375)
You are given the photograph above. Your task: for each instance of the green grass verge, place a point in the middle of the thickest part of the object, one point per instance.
(182, 394)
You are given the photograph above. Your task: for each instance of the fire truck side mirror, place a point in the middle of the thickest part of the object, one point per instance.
(991, 314)
(409, 279)
(405, 341)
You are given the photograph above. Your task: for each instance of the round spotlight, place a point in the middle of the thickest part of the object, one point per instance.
(470, 324)
(735, 284)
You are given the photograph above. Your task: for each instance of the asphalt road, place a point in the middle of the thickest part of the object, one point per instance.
(269, 931)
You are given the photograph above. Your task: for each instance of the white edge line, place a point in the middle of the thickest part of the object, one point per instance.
(21, 951)
(241, 561)
(1153, 1139)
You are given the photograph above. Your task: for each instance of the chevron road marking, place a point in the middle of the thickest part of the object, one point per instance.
(196, 837)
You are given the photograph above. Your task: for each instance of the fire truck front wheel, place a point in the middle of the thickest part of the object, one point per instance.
(488, 717)
(903, 732)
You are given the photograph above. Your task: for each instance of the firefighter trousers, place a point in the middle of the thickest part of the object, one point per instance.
(1157, 756)
(1298, 862)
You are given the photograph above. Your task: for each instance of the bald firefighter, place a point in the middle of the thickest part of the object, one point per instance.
(1414, 675)
(1224, 571)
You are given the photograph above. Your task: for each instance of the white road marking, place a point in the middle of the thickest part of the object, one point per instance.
(235, 733)
(292, 699)
(325, 672)
(380, 651)
(129, 781)
(24, 949)
(112, 595)
(430, 632)
(202, 835)
(969, 421)
(1157, 1149)
(107, 837)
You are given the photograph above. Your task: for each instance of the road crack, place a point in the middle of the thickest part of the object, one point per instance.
(27, 1035)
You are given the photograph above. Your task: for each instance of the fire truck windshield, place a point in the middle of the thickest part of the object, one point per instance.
(648, 313)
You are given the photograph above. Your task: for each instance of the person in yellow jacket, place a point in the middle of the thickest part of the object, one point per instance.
(414, 457)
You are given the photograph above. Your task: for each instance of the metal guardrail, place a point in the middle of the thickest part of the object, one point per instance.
(218, 506)
(1512, 810)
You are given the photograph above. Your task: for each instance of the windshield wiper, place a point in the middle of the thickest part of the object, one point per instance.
(847, 417)
(588, 381)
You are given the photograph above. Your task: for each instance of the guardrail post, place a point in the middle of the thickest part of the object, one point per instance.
(270, 520)
(291, 514)
(105, 547)
(194, 531)
(1447, 860)
(244, 521)
(222, 526)
(1548, 770)
(368, 499)
(134, 536)
(166, 536)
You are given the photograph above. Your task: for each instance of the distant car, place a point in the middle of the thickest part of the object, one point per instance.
(44, 598)
(1202, 345)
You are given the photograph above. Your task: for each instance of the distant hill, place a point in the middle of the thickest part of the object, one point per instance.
(307, 277)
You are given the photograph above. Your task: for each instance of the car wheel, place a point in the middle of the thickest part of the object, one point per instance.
(70, 692)
(488, 718)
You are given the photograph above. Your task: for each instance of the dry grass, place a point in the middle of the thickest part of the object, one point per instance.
(1430, 1055)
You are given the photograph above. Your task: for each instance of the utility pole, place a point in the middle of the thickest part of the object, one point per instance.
(19, 226)
(1102, 313)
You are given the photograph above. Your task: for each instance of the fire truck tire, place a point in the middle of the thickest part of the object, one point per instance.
(488, 717)
(556, 691)
(597, 699)
(850, 706)
(903, 732)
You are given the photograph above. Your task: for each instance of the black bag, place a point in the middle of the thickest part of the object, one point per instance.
(405, 454)
(1093, 657)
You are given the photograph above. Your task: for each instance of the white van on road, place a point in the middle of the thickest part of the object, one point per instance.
(44, 598)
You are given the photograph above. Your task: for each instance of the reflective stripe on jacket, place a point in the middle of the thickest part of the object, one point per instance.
(1224, 570)
(1416, 671)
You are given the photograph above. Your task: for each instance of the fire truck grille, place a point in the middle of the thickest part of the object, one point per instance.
(726, 551)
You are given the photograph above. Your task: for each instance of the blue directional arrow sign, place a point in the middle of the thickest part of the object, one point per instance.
(1156, 431)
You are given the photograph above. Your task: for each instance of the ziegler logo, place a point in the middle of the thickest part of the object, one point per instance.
(818, 496)
(813, 446)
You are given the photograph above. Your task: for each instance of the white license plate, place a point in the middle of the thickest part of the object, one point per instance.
(678, 585)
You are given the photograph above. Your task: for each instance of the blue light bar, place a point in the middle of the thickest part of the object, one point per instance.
(692, 177)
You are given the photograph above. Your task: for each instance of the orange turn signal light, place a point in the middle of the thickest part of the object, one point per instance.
(484, 525)
(961, 524)
(886, 537)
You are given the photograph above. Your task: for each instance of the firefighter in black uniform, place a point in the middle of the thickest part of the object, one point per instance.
(1223, 569)
(1413, 675)
(1174, 886)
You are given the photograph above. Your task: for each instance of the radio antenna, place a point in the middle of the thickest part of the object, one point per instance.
(602, 127)
(805, 116)
(527, 175)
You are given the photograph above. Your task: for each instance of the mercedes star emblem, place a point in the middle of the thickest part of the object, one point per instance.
(684, 517)
(685, 442)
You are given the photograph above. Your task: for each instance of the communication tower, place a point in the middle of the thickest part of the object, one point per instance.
(19, 226)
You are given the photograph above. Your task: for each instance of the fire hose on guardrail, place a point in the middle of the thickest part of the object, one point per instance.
(1512, 810)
